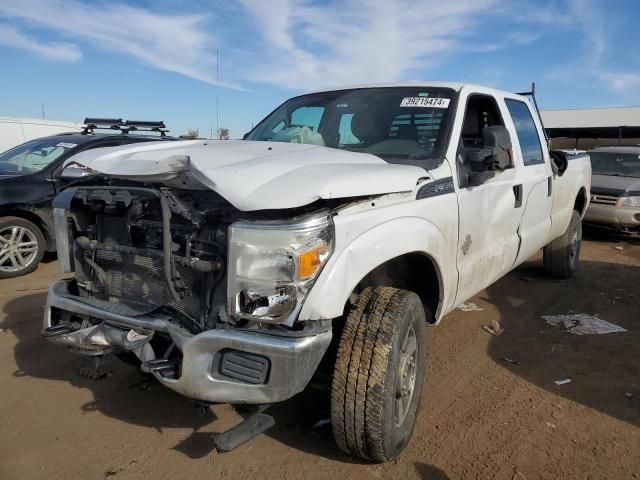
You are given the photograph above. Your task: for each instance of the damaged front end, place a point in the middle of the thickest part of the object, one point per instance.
(206, 298)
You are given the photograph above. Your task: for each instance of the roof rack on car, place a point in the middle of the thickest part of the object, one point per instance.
(91, 124)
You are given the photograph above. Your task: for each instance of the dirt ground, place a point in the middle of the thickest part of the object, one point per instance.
(481, 416)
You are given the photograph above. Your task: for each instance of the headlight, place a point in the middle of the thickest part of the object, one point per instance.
(630, 202)
(272, 266)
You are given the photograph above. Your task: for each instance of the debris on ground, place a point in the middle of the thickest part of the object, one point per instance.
(469, 307)
(619, 248)
(582, 324)
(564, 381)
(526, 279)
(493, 329)
(628, 395)
(94, 371)
(321, 423)
(508, 360)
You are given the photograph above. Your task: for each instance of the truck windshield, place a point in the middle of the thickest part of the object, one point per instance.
(615, 164)
(32, 156)
(398, 124)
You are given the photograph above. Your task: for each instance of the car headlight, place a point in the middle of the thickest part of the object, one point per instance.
(272, 266)
(630, 202)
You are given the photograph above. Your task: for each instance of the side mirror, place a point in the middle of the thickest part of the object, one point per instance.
(495, 153)
(74, 171)
(559, 162)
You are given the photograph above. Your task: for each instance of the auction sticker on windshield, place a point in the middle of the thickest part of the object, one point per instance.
(426, 102)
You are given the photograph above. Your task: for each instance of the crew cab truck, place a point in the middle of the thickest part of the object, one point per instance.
(342, 226)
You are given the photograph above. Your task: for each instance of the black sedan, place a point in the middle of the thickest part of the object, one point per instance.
(29, 180)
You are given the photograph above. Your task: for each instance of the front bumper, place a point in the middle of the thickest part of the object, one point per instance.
(612, 216)
(290, 362)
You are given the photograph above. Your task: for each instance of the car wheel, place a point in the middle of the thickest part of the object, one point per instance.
(22, 247)
(561, 257)
(379, 373)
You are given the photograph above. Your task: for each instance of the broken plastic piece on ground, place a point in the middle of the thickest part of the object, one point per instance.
(628, 395)
(469, 307)
(563, 381)
(508, 360)
(493, 329)
(619, 248)
(582, 324)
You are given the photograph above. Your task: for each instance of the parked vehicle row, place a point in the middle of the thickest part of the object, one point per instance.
(344, 224)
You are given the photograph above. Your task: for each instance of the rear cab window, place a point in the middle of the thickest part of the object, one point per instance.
(527, 132)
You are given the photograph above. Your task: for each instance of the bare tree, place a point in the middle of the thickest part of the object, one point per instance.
(223, 133)
(191, 134)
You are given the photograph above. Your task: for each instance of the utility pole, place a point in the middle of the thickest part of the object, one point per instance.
(217, 88)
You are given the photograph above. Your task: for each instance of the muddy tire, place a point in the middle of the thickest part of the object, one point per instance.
(22, 246)
(379, 373)
(561, 257)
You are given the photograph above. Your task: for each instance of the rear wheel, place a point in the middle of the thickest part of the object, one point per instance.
(379, 373)
(561, 257)
(22, 247)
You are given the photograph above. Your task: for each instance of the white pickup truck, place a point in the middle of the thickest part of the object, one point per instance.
(343, 225)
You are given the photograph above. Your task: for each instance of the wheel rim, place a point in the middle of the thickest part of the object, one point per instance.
(406, 376)
(573, 246)
(18, 248)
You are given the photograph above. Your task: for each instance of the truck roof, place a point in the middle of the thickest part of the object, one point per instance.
(457, 86)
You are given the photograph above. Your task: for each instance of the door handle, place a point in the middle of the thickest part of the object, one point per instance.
(517, 192)
(549, 186)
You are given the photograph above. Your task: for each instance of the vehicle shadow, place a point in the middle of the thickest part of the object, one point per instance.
(126, 393)
(604, 369)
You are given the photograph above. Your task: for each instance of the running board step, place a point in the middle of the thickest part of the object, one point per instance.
(56, 330)
(250, 427)
(163, 367)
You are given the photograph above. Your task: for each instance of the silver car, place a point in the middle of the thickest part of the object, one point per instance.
(615, 189)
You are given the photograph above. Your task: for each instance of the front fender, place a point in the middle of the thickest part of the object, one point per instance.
(360, 250)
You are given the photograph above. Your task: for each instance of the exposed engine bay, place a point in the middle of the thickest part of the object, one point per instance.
(151, 250)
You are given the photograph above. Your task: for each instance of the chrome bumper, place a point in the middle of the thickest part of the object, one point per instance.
(290, 361)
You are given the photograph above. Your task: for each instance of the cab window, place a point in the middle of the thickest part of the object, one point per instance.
(527, 132)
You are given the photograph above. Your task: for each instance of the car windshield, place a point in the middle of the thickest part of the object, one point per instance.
(616, 164)
(33, 156)
(398, 124)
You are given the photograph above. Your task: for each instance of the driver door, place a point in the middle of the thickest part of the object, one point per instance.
(489, 213)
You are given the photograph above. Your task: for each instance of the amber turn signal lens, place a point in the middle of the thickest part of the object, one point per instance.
(309, 262)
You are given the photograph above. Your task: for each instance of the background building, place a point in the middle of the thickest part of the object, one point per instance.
(584, 129)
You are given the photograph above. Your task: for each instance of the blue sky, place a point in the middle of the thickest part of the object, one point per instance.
(157, 59)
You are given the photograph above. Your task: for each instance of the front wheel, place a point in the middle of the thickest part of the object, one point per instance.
(379, 373)
(561, 257)
(21, 247)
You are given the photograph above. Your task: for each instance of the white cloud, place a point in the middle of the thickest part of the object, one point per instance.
(61, 51)
(593, 70)
(175, 43)
(358, 41)
(621, 81)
